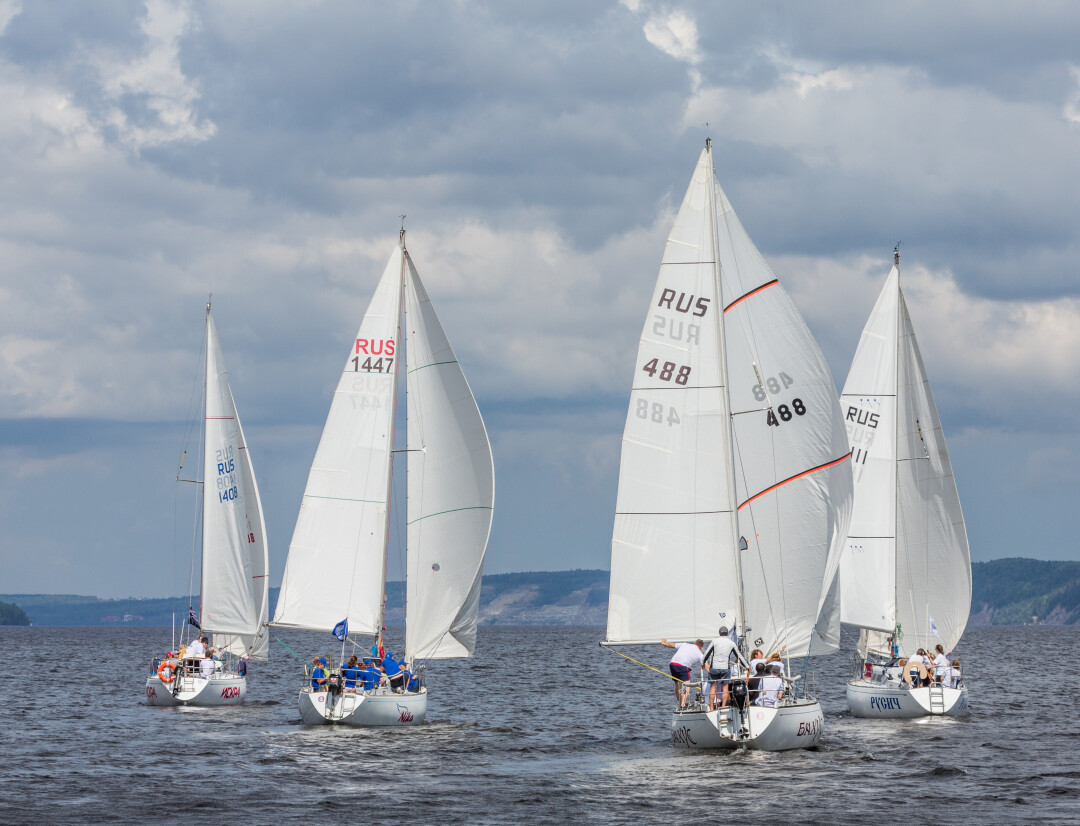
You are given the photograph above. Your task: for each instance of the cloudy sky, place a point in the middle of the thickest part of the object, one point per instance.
(153, 152)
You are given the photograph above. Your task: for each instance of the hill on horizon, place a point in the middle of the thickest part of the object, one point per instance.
(1012, 591)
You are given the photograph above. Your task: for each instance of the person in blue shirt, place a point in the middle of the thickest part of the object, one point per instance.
(350, 674)
(318, 674)
(393, 672)
(370, 674)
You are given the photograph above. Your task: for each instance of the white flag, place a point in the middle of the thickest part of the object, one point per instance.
(933, 627)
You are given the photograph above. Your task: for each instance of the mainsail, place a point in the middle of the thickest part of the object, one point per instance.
(234, 554)
(336, 567)
(733, 431)
(451, 490)
(907, 562)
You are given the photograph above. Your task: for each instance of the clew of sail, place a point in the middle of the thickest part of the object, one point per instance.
(234, 557)
(337, 565)
(450, 489)
(674, 563)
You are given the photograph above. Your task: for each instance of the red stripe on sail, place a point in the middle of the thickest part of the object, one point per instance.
(752, 292)
(793, 478)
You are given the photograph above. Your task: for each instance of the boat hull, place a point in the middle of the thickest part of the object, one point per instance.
(795, 726)
(891, 701)
(376, 708)
(219, 690)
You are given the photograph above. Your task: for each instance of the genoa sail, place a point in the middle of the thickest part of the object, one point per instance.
(734, 430)
(336, 566)
(234, 584)
(450, 489)
(907, 563)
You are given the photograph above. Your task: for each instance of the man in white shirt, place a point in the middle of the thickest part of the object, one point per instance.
(772, 688)
(196, 650)
(941, 664)
(687, 658)
(717, 658)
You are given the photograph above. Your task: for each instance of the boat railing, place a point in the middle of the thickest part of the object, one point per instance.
(336, 682)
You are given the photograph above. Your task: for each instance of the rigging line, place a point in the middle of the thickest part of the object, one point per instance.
(796, 476)
(671, 677)
(754, 291)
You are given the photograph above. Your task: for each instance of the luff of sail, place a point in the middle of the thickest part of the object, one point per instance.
(674, 565)
(907, 543)
(450, 489)
(233, 593)
(336, 566)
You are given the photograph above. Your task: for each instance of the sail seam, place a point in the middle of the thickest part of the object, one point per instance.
(343, 499)
(452, 510)
(752, 292)
(793, 478)
(433, 364)
(667, 513)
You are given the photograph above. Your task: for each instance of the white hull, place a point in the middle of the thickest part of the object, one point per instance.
(795, 726)
(892, 701)
(218, 690)
(375, 708)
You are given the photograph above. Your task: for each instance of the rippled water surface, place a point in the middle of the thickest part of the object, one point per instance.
(541, 727)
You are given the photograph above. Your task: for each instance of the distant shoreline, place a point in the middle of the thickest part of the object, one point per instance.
(1008, 592)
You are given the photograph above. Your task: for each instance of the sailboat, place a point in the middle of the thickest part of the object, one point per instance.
(335, 575)
(734, 484)
(906, 571)
(233, 593)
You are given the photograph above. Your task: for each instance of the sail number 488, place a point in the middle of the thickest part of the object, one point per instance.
(667, 370)
(657, 412)
(797, 409)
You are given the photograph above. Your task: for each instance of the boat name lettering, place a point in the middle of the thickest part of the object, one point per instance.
(379, 365)
(375, 347)
(785, 412)
(684, 303)
(885, 703)
(151, 691)
(657, 412)
(673, 328)
(811, 728)
(862, 417)
(682, 735)
(667, 371)
(230, 692)
(772, 384)
(404, 716)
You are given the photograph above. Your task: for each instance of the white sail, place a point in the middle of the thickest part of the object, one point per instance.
(907, 562)
(234, 555)
(450, 489)
(678, 520)
(336, 567)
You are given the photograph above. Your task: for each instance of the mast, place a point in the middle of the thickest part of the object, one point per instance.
(895, 646)
(200, 508)
(393, 432)
(729, 457)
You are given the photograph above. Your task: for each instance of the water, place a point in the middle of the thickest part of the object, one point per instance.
(542, 727)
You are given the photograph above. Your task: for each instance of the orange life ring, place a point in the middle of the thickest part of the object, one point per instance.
(923, 673)
(172, 672)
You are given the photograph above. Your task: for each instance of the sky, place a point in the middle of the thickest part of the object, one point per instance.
(152, 153)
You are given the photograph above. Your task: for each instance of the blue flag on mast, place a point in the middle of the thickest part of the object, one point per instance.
(341, 630)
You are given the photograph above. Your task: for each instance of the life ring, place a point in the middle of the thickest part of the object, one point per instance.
(908, 666)
(172, 672)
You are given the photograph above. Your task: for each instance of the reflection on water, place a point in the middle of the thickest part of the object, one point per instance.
(542, 727)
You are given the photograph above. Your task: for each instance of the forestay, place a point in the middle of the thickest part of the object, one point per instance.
(908, 544)
(233, 589)
(674, 562)
(337, 564)
(450, 489)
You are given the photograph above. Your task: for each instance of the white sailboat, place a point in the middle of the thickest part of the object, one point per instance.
(233, 593)
(906, 571)
(336, 567)
(733, 438)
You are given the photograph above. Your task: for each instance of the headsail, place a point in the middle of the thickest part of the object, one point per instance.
(907, 562)
(451, 489)
(337, 558)
(234, 555)
(674, 565)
